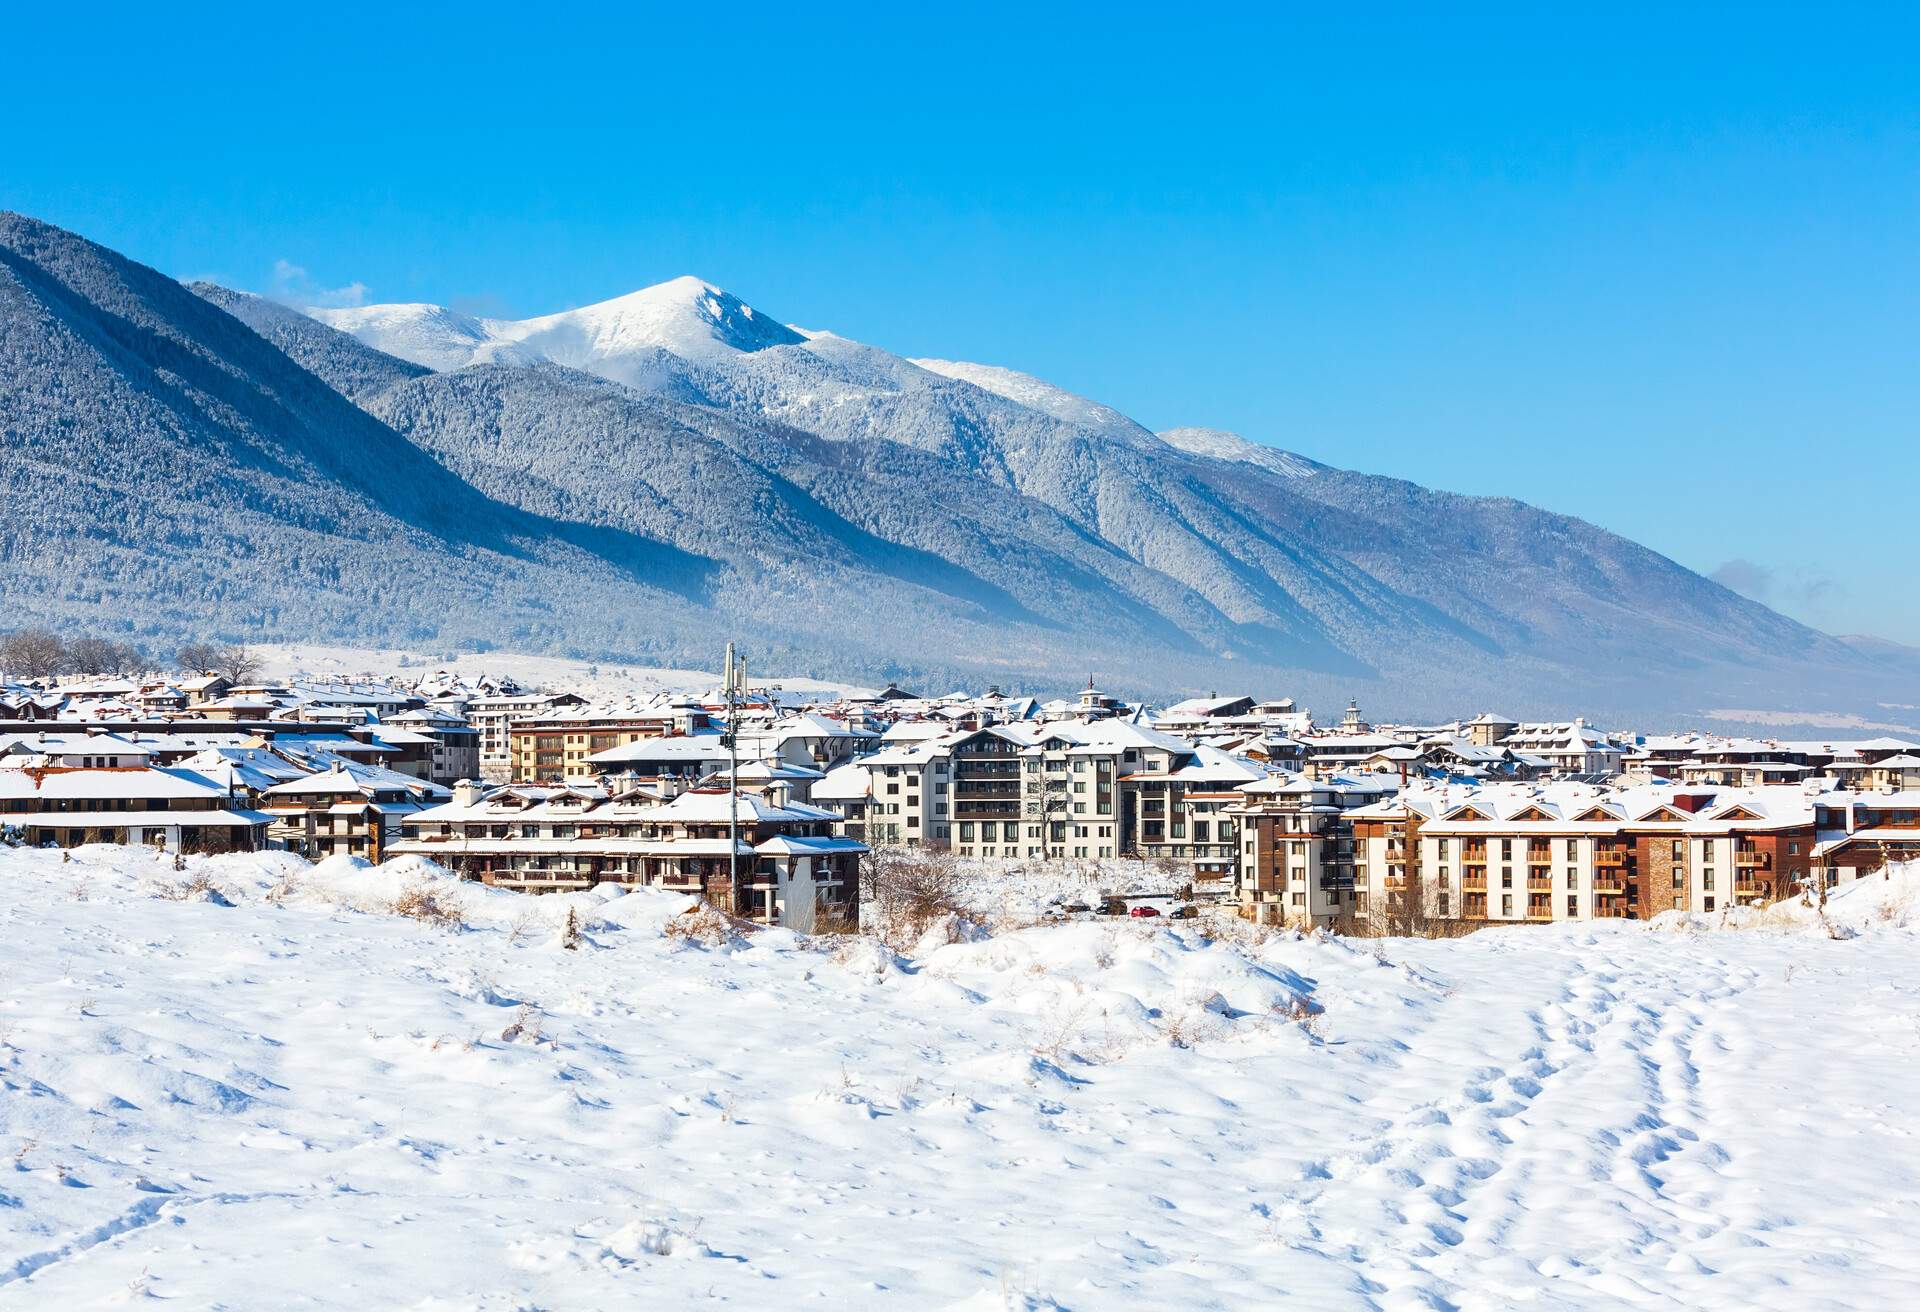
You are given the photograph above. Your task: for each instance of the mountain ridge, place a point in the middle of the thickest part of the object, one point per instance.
(846, 510)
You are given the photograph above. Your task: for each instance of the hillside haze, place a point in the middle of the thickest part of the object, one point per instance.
(643, 477)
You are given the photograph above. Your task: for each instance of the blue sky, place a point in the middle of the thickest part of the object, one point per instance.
(1655, 269)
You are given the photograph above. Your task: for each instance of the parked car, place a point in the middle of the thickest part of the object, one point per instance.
(1144, 911)
(1076, 908)
(1187, 911)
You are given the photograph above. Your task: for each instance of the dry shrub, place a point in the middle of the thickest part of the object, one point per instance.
(1302, 1011)
(526, 1028)
(909, 891)
(420, 902)
(1191, 1027)
(834, 920)
(705, 925)
(199, 888)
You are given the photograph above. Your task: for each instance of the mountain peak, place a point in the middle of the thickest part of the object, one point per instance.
(688, 316)
(622, 338)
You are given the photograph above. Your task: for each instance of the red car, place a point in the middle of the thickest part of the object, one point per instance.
(1144, 911)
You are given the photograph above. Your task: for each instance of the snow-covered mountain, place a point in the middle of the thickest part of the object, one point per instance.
(707, 470)
(637, 339)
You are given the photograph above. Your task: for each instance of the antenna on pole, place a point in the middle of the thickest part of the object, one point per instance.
(732, 678)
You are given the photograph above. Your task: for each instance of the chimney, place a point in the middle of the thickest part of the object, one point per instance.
(468, 792)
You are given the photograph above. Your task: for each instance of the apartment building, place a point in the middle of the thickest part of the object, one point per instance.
(983, 792)
(1297, 846)
(1861, 833)
(493, 716)
(1514, 853)
(1568, 748)
(807, 739)
(554, 746)
(47, 803)
(450, 746)
(348, 810)
(793, 869)
(1179, 807)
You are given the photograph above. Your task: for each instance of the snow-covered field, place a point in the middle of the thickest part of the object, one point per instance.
(304, 1099)
(592, 679)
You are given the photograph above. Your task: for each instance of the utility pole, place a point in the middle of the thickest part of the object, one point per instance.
(732, 677)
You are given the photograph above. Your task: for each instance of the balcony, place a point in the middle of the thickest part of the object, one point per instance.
(992, 809)
(1396, 856)
(1539, 883)
(1752, 859)
(1605, 886)
(1473, 883)
(1610, 858)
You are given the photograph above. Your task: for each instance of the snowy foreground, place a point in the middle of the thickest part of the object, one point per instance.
(305, 1099)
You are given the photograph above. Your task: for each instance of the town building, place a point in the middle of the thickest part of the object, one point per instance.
(1297, 856)
(348, 810)
(793, 870)
(47, 803)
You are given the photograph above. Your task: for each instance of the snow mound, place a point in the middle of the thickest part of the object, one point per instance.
(1888, 899)
(1095, 989)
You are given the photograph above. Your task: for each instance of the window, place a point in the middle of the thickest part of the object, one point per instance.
(1573, 907)
(1709, 904)
(1706, 849)
(1679, 877)
(966, 831)
(1679, 849)
(1442, 849)
(1706, 880)
(1793, 849)
(1506, 904)
(1573, 877)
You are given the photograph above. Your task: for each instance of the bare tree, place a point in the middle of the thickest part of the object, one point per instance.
(239, 663)
(236, 661)
(32, 654)
(91, 655)
(198, 658)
